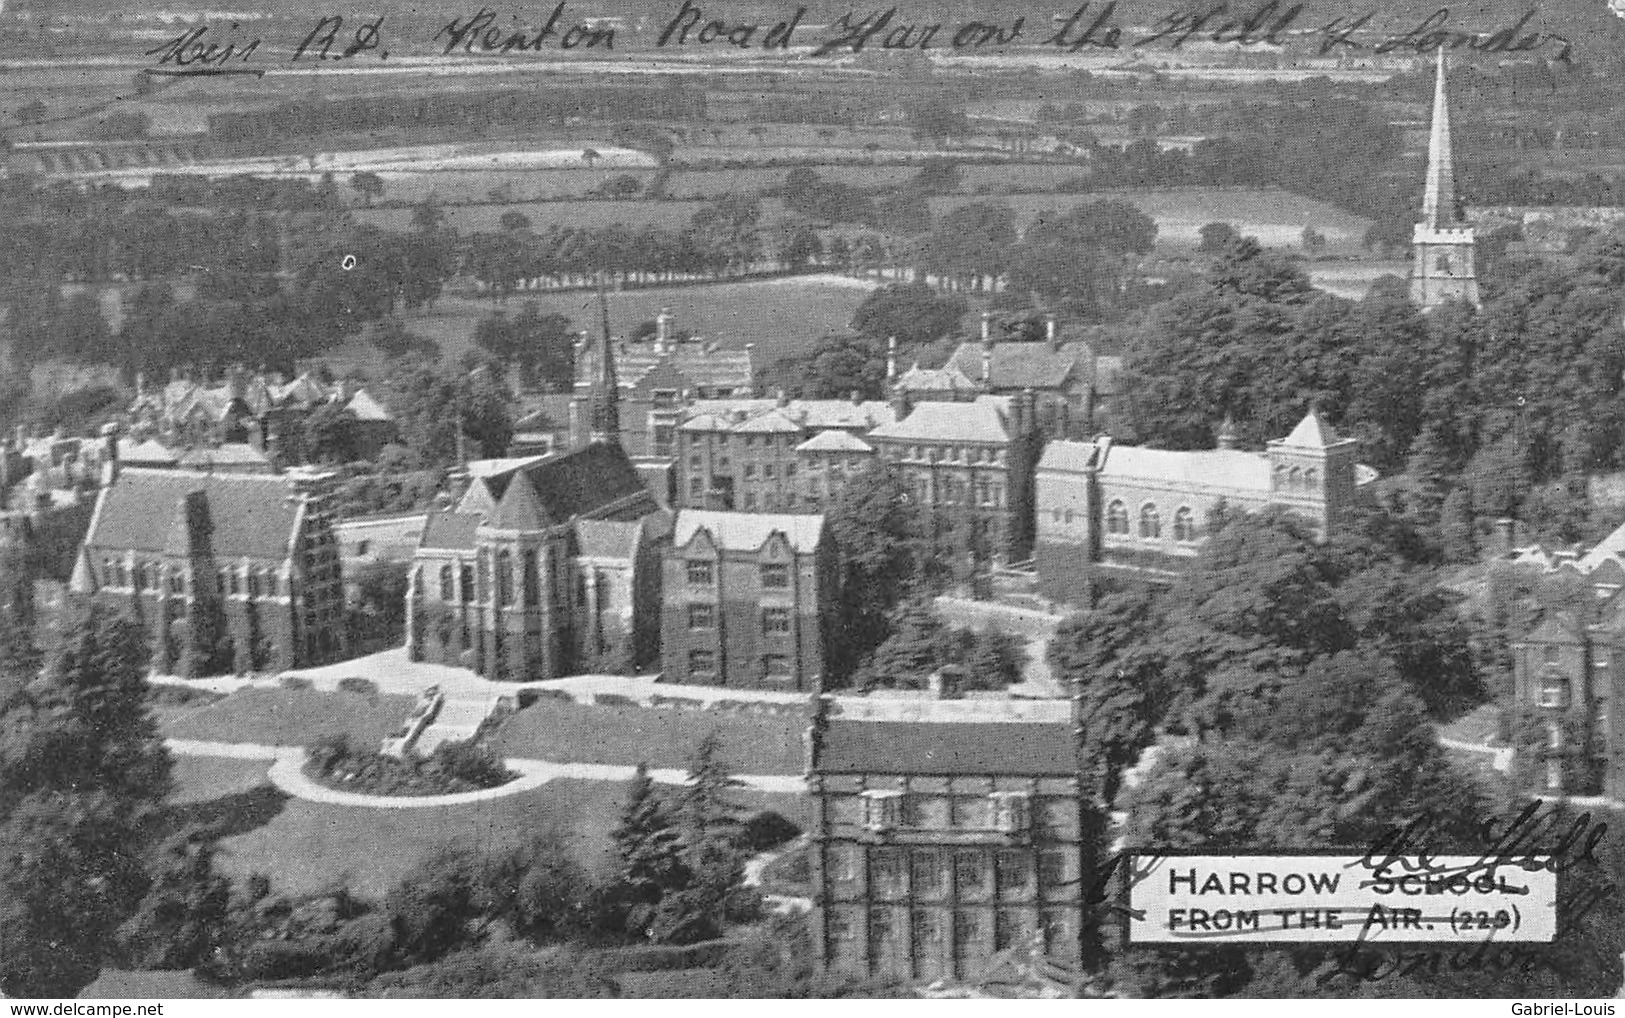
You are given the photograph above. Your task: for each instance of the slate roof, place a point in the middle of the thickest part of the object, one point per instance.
(834, 441)
(1022, 365)
(984, 420)
(225, 457)
(366, 408)
(748, 531)
(1610, 547)
(1311, 433)
(807, 414)
(772, 422)
(1215, 468)
(131, 452)
(1016, 749)
(583, 482)
(944, 379)
(613, 539)
(1558, 627)
(520, 508)
(1072, 456)
(254, 515)
(703, 365)
(449, 530)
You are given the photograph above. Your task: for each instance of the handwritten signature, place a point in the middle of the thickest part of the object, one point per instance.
(207, 49)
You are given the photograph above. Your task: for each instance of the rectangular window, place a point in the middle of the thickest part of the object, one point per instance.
(694, 462)
(767, 471)
(1013, 872)
(927, 872)
(776, 666)
(789, 470)
(775, 620)
(888, 871)
(750, 500)
(701, 616)
(750, 471)
(467, 577)
(970, 872)
(1052, 868)
(271, 584)
(699, 572)
(702, 662)
(696, 486)
(775, 575)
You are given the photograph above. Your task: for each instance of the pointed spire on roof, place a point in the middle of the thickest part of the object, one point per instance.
(605, 400)
(520, 508)
(1311, 433)
(1439, 200)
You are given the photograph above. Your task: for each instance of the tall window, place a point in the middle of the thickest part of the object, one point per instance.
(776, 666)
(1116, 518)
(775, 574)
(1184, 524)
(448, 590)
(1554, 689)
(505, 577)
(702, 616)
(533, 580)
(467, 578)
(702, 663)
(1150, 522)
(775, 620)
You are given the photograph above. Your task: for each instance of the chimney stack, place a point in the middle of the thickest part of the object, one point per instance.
(1227, 434)
(1506, 536)
(891, 360)
(662, 330)
(110, 433)
(1049, 332)
(987, 328)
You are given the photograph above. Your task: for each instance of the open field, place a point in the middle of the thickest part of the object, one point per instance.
(659, 736)
(292, 717)
(1354, 279)
(668, 215)
(779, 316)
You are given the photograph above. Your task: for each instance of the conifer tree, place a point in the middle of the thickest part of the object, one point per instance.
(647, 843)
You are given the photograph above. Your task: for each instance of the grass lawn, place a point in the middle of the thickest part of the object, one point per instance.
(201, 779)
(679, 984)
(307, 847)
(658, 736)
(780, 316)
(292, 717)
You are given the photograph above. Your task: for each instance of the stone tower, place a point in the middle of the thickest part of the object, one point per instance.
(1442, 266)
(1312, 471)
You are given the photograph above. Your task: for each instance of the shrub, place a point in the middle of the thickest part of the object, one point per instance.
(529, 697)
(614, 700)
(356, 684)
(295, 682)
(469, 762)
(177, 696)
(766, 829)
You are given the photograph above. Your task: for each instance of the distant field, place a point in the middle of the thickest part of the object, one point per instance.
(658, 736)
(670, 215)
(293, 717)
(779, 316)
(1354, 279)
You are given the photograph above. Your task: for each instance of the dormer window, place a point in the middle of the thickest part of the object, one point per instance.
(1010, 812)
(882, 809)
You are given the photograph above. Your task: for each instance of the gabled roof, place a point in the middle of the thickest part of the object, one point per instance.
(131, 452)
(587, 482)
(1558, 627)
(1612, 546)
(948, 378)
(1022, 365)
(748, 531)
(835, 440)
(519, 509)
(252, 515)
(987, 419)
(1312, 433)
(1064, 455)
(701, 365)
(366, 408)
(225, 457)
(806, 414)
(449, 530)
(772, 422)
(477, 500)
(1016, 749)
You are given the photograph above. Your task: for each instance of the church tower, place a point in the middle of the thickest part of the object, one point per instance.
(1442, 244)
(604, 400)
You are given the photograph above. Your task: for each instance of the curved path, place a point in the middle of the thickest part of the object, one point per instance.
(287, 773)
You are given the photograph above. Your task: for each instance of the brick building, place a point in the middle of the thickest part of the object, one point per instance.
(747, 600)
(226, 571)
(654, 378)
(1146, 510)
(1564, 671)
(936, 845)
(972, 463)
(753, 455)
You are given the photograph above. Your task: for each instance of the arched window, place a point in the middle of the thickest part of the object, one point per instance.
(1184, 524)
(448, 590)
(1116, 518)
(1444, 264)
(1150, 522)
(533, 580)
(1294, 478)
(1309, 477)
(505, 577)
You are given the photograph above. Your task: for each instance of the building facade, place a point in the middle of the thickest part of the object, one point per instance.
(1443, 266)
(227, 572)
(748, 600)
(1563, 676)
(654, 379)
(1099, 504)
(971, 465)
(547, 566)
(937, 845)
(771, 455)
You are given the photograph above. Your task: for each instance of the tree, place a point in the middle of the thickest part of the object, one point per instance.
(803, 248)
(330, 433)
(543, 345)
(938, 120)
(876, 525)
(515, 221)
(913, 649)
(1313, 240)
(650, 852)
(938, 175)
(183, 917)
(590, 156)
(837, 367)
(81, 772)
(913, 312)
(368, 185)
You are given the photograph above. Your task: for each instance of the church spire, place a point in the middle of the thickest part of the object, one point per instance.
(606, 394)
(1442, 245)
(1439, 200)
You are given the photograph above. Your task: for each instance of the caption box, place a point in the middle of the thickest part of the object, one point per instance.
(1246, 899)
